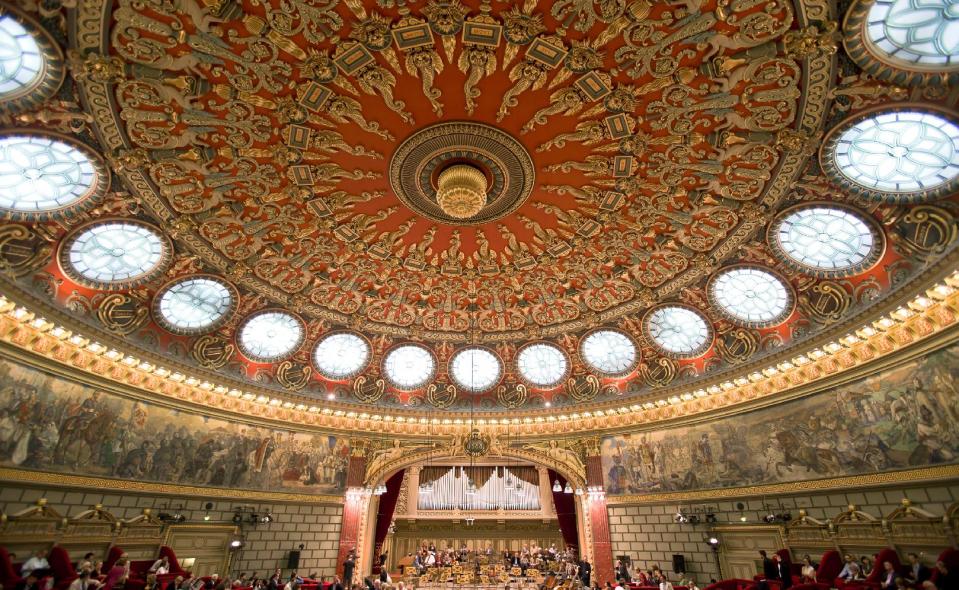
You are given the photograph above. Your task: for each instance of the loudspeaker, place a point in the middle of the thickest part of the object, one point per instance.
(679, 564)
(293, 561)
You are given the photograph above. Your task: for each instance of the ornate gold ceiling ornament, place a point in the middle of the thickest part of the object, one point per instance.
(897, 31)
(368, 391)
(441, 396)
(582, 388)
(293, 376)
(476, 444)
(122, 314)
(461, 191)
(22, 250)
(212, 351)
(423, 157)
(512, 397)
(52, 70)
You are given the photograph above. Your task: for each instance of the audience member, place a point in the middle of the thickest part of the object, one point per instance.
(37, 563)
(808, 572)
(888, 580)
(866, 565)
(918, 573)
(29, 582)
(160, 566)
(118, 573)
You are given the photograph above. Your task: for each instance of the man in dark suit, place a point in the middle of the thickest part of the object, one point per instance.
(336, 584)
(770, 571)
(585, 569)
(782, 571)
(348, 566)
(918, 573)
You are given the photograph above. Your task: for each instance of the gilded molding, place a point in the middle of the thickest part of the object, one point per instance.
(44, 478)
(910, 476)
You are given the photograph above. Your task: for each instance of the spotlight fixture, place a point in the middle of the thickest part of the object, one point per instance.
(568, 489)
(237, 518)
(266, 518)
(208, 506)
(236, 543)
(713, 542)
(693, 519)
(743, 518)
(711, 518)
(681, 518)
(556, 487)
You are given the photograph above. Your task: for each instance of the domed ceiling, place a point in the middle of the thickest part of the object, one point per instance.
(489, 206)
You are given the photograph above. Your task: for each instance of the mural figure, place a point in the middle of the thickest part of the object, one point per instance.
(901, 418)
(52, 424)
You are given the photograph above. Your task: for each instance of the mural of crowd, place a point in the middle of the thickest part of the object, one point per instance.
(903, 417)
(52, 424)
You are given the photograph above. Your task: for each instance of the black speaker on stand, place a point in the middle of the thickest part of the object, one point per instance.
(293, 560)
(679, 564)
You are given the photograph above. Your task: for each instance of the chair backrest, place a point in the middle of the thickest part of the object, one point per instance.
(112, 557)
(8, 576)
(950, 557)
(829, 568)
(60, 564)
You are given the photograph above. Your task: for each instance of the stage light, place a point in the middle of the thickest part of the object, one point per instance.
(568, 489)
(712, 542)
(206, 517)
(710, 517)
(331, 396)
(693, 519)
(266, 518)
(556, 487)
(236, 543)
(237, 518)
(742, 518)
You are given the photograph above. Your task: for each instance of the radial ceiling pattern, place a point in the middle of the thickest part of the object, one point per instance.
(447, 205)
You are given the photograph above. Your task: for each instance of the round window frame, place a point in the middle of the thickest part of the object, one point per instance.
(94, 195)
(499, 376)
(828, 164)
(266, 360)
(166, 325)
(351, 375)
(63, 256)
(536, 386)
(718, 307)
(700, 351)
(54, 65)
(875, 255)
(426, 381)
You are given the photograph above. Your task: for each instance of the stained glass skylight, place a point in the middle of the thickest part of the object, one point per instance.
(21, 63)
(194, 304)
(341, 355)
(919, 32)
(609, 352)
(39, 174)
(542, 364)
(823, 238)
(116, 252)
(270, 336)
(678, 330)
(899, 153)
(751, 296)
(475, 369)
(409, 366)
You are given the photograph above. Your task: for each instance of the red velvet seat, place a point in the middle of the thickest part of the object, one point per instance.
(731, 584)
(62, 568)
(950, 557)
(875, 579)
(9, 577)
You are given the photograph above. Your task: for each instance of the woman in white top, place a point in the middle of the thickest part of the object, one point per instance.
(664, 583)
(808, 570)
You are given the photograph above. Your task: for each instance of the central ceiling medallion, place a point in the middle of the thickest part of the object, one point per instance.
(462, 173)
(462, 191)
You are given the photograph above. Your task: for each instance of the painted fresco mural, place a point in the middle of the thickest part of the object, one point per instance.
(52, 424)
(903, 417)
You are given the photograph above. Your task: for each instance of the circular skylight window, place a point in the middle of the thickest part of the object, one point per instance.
(542, 365)
(475, 369)
(826, 239)
(609, 352)
(409, 366)
(751, 296)
(922, 33)
(896, 156)
(41, 174)
(115, 253)
(21, 61)
(31, 62)
(194, 305)
(678, 330)
(270, 335)
(341, 355)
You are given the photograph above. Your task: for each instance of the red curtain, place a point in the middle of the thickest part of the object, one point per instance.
(565, 505)
(384, 515)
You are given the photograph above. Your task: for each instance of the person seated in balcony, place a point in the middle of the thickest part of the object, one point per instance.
(37, 563)
(808, 572)
(691, 584)
(847, 567)
(160, 566)
(888, 577)
(152, 583)
(918, 573)
(866, 565)
(175, 584)
(211, 582)
(86, 563)
(664, 583)
(242, 581)
(84, 582)
(770, 571)
(275, 581)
